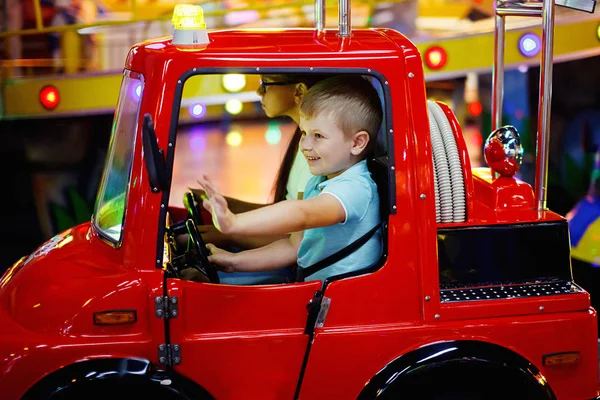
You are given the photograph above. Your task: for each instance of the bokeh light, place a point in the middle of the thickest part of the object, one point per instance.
(234, 82)
(135, 91)
(435, 57)
(197, 110)
(475, 108)
(49, 97)
(233, 106)
(197, 142)
(234, 138)
(530, 44)
(273, 134)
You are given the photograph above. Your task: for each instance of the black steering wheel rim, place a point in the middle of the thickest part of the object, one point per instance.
(189, 201)
(204, 266)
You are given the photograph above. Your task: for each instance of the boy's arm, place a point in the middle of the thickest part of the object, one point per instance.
(290, 216)
(212, 235)
(276, 255)
(279, 218)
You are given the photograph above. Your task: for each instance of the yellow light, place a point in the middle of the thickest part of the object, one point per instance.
(116, 317)
(188, 16)
(598, 32)
(234, 82)
(570, 357)
(435, 57)
(233, 106)
(233, 138)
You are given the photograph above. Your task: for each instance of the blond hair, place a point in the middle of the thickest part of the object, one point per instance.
(350, 100)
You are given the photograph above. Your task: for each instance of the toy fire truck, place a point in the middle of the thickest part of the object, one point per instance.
(473, 297)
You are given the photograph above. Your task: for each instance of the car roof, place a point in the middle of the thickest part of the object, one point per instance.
(276, 44)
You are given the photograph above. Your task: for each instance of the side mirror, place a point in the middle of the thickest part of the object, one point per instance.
(153, 157)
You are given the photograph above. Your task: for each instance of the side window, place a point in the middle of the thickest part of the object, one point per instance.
(223, 132)
(242, 131)
(226, 132)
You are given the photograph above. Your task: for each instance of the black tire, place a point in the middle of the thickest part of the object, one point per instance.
(467, 380)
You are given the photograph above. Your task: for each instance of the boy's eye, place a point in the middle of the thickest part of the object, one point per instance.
(318, 135)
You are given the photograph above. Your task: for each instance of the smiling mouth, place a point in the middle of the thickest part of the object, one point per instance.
(309, 159)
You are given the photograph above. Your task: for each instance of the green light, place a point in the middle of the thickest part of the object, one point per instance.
(273, 134)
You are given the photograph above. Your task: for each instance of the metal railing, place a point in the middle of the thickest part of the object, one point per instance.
(545, 10)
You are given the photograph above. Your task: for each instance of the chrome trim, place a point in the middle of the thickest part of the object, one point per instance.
(320, 16)
(345, 19)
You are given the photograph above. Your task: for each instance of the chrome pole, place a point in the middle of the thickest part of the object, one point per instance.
(344, 18)
(519, 11)
(498, 72)
(544, 105)
(320, 15)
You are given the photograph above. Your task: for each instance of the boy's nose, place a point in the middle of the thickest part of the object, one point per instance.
(305, 143)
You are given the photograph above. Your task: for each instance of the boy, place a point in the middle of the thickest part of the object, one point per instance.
(339, 118)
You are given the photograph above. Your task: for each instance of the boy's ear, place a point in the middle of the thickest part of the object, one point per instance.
(360, 141)
(300, 91)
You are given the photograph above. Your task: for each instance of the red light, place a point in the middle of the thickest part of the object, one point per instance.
(435, 57)
(475, 108)
(49, 97)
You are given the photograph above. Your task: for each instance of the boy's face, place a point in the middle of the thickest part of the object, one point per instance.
(328, 151)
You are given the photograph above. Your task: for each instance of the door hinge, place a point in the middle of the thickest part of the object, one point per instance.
(325, 302)
(317, 312)
(169, 354)
(166, 306)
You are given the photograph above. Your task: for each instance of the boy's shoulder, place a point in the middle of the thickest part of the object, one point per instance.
(355, 181)
(358, 173)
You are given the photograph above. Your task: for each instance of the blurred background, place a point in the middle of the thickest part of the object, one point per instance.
(62, 63)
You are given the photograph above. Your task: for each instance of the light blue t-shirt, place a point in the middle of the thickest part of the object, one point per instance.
(357, 192)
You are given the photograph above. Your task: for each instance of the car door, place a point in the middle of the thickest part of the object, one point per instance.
(241, 342)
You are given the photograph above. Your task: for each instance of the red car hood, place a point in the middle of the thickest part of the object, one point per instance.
(68, 274)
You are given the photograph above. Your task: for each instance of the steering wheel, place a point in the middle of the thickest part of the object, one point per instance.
(189, 201)
(204, 266)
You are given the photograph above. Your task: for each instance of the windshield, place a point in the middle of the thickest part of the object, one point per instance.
(109, 212)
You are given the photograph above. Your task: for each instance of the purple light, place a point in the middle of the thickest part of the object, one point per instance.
(136, 91)
(530, 44)
(197, 141)
(197, 110)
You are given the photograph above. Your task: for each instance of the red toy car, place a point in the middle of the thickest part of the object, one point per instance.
(473, 297)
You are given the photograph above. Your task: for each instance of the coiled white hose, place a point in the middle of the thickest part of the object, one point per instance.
(441, 129)
(442, 172)
(438, 212)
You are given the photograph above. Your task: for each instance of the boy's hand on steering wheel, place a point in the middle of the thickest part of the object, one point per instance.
(215, 203)
(224, 260)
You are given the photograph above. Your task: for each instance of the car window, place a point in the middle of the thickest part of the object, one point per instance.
(109, 212)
